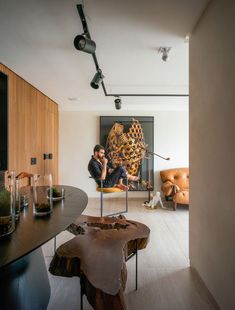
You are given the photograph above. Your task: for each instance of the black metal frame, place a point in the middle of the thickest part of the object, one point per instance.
(104, 123)
(82, 276)
(102, 201)
(87, 33)
(135, 253)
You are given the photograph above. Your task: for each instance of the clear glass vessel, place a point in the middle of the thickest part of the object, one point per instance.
(42, 188)
(17, 200)
(7, 206)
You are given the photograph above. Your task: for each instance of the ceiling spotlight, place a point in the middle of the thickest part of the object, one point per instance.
(165, 51)
(97, 79)
(118, 103)
(82, 43)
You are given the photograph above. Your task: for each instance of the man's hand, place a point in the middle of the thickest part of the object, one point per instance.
(104, 161)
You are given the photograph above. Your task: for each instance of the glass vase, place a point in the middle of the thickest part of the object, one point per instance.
(17, 201)
(57, 193)
(42, 188)
(7, 206)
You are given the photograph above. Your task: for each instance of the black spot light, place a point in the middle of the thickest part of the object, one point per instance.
(97, 79)
(118, 103)
(82, 43)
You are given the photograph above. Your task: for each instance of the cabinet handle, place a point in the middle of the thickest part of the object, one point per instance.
(47, 156)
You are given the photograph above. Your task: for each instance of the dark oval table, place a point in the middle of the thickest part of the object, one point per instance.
(24, 281)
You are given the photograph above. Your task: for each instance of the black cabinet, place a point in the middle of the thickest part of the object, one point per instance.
(3, 121)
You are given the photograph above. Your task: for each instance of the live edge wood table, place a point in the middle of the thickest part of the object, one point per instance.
(24, 281)
(97, 254)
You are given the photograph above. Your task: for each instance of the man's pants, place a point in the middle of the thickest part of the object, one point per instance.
(113, 177)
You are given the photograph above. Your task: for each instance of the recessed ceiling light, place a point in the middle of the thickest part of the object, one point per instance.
(72, 98)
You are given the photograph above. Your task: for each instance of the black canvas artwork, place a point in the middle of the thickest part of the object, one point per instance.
(127, 140)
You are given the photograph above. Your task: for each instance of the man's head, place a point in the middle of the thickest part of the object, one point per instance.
(99, 151)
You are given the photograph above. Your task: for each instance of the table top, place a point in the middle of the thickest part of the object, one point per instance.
(31, 232)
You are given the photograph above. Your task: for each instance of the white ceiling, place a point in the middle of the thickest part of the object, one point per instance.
(36, 41)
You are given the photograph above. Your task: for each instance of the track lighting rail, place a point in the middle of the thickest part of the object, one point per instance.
(87, 33)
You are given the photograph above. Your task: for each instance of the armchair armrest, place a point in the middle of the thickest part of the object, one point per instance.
(169, 188)
(176, 189)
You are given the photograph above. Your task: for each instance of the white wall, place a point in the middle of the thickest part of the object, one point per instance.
(79, 132)
(212, 151)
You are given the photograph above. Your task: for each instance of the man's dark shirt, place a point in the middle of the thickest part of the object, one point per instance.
(95, 168)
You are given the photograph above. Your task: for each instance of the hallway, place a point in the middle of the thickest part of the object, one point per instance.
(165, 280)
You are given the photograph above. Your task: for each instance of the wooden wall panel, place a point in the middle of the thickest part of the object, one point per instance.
(32, 127)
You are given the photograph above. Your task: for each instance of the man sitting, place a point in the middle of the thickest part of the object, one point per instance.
(99, 170)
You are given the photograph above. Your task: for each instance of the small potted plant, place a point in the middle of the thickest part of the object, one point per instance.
(56, 193)
(42, 206)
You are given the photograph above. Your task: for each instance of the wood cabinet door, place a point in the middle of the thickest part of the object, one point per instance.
(32, 128)
(51, 140)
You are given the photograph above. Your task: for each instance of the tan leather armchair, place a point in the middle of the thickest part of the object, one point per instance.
(176, 185)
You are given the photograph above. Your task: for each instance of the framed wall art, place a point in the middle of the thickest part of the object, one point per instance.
(127, 141)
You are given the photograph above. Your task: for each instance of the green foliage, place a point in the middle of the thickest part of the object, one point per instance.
(56, 192)
(55, 189)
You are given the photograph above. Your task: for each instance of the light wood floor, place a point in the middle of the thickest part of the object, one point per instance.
(165, 280)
